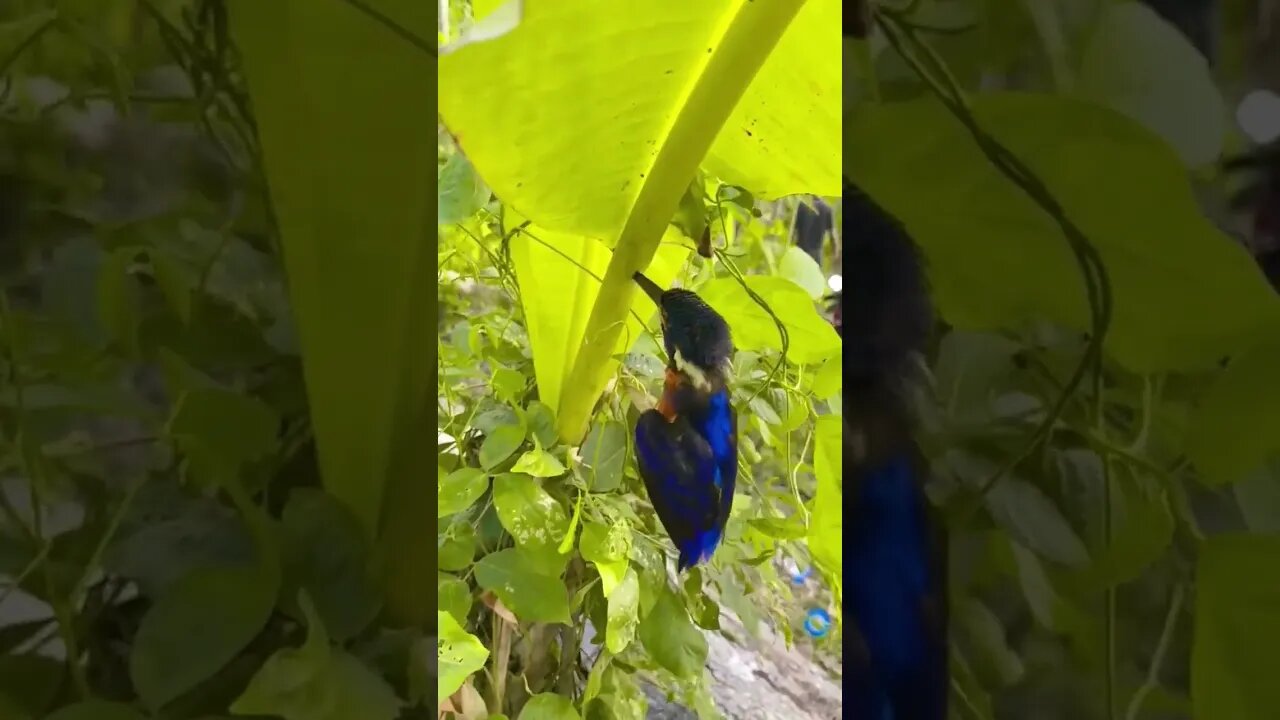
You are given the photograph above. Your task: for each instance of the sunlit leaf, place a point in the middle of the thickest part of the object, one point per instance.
(459, 489)
(608, 548)
(812, 339)
(800, 268)
(705, 64)
(624, 604)
(529, 513)
(460, 654)
(539, 463)
(781, 138)
(826, 523)
(557, 295)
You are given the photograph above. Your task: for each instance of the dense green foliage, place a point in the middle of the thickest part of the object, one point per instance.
(1079, 417)
(214, 466)
(168, 546)
(547, 355)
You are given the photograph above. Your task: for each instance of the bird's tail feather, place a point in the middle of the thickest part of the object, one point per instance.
(894, 588)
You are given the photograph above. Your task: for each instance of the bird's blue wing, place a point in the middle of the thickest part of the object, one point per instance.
(718, 423)
(679, 470)
(892, 579)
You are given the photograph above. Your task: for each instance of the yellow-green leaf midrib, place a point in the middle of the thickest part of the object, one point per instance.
(744, 43)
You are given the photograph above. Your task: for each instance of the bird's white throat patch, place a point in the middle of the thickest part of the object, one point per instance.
(696, 374)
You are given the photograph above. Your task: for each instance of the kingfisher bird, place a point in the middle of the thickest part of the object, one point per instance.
(895, 546)
(687, 447)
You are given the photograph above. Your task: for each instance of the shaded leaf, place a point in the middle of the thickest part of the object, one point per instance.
(29, 684)
(604, 454)
(1031, 517)
(500, 444)
(327, 555)
(1233, 428)
(671, 639)
(548, 706)
(221, 430)
(96, 710)
(460, 191)
(542, 424)
(352, 222)
(459, 489)
(1119, 183)
(317, 682)
(1258, 496)
(456, 547)
(175, 283)
(1138, 63)
(1237, 628)
(455, 596)
(987, 636)
(168, 533)
(119, 300)
(1142, 527)
(197, 627)
(532, 596)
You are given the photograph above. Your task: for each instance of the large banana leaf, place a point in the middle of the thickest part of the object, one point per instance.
(597, 134)
(344, 115)
(543, 263)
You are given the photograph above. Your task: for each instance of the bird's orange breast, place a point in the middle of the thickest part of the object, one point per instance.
(666, 403)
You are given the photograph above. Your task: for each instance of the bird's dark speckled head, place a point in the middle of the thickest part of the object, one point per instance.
(692, 332)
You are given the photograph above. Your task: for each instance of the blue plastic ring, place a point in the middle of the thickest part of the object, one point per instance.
(817, 623)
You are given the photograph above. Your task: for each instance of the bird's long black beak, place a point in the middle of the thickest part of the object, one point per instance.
(650, 288)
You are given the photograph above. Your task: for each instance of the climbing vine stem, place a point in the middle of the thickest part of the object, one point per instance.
(925, 62)
(904, 38)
